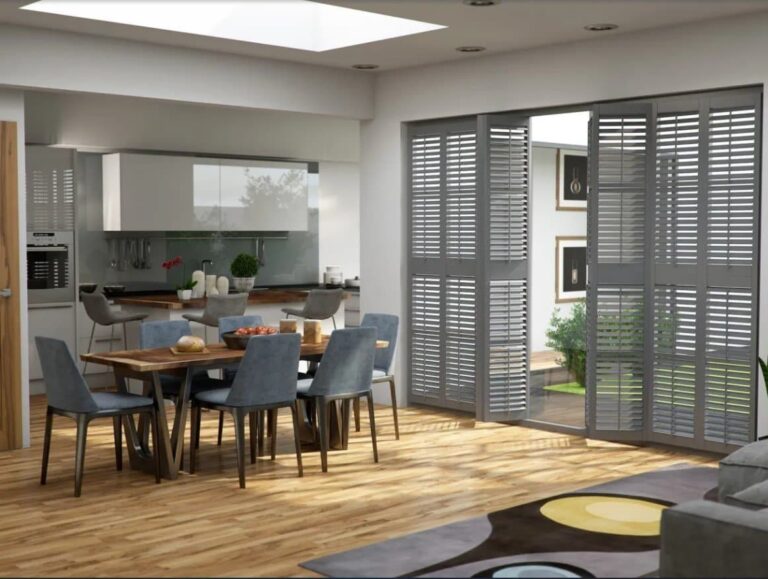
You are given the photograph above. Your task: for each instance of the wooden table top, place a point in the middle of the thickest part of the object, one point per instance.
(172, 302)
(162, 359)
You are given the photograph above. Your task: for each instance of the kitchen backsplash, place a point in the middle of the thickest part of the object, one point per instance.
(290, 259)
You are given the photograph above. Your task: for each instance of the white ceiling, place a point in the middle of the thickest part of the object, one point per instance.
(511, 25)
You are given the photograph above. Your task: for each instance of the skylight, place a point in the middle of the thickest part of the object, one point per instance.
(299, 24)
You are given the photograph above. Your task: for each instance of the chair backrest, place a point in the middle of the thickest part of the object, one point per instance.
(347, 363)
(64, 385)
(267, 372)
(322, 304)
(162, 334)
(386, 326)
(231, 323)
(97, 307)
(218, 307)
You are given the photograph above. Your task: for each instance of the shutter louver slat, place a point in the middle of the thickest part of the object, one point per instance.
(460, 343)
(426, 343)
(461, 195)
(426, 176)
(508, 181)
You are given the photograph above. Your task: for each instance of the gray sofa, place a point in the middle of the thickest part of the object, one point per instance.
(726, 539)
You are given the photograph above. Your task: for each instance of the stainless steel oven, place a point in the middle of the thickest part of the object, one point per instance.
(50, 267)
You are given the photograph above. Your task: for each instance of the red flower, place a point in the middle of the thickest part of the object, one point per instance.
(171, 263)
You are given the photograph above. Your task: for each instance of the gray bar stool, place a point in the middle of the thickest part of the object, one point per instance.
(98, 310)
(217, 307)
(320, 305)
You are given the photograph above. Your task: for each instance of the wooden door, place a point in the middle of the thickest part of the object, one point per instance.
(10, 322)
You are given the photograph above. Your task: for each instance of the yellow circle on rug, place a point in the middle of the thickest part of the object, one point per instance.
(605, 514)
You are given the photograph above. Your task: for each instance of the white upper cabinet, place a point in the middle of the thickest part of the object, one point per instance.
(170, 193)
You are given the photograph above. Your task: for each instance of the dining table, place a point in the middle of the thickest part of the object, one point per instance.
(147, 366)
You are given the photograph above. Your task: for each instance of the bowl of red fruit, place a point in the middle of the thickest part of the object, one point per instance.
(238, 340)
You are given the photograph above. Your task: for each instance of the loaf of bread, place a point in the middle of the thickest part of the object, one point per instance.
(190, 344)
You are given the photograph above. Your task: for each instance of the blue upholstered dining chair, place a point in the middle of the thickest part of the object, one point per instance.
(386, 326)
(68, 395)
(265, 380)
(344, 374)
(226, 325)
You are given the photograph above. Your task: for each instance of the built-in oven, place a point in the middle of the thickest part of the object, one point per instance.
(50, 267)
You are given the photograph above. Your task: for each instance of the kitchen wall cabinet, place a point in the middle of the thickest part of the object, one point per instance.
(177, 193)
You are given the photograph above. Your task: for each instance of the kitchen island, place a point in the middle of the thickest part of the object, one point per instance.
(267, 303)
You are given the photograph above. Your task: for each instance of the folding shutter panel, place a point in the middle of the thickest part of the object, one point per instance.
(732, 213)
(443, 263)
(617, 260)
(505, 307)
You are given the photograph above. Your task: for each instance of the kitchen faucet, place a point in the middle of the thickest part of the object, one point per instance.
(205, 263)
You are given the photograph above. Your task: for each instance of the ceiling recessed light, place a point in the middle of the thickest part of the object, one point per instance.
(480, 3)
(299, 24)
(471, 48)
(365, 66)
(602, 27)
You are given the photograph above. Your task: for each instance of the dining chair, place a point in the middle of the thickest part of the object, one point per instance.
(386, 327)
(320, 305)
(100, 313)
(344, 374)
(266, 380)
(68, 395)
(226, 325)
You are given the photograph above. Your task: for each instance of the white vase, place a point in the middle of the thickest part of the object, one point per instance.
(210, 286)
(244, 284)
(222, 284)
(199, 290)
(184, 295)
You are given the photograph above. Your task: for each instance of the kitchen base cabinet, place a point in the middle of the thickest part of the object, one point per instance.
(50, 321)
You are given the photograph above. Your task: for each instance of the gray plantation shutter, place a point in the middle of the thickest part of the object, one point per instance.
(505, 166)
(443, 263)
(616, 296)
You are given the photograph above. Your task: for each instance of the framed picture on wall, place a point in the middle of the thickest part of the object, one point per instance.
(571, 272)
(572, 187)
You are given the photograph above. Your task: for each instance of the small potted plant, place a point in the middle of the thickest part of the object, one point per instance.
(244, 269)
(184, 290)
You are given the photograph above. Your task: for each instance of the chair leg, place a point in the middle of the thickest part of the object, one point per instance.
(194, 438)
(156, 444)
(253, 420)
(117, 425)
(111, 336)
(333, 318)
(296, 436)
(82, 434)
(356, 406)
(373, 426)
(345, 408)
(393, 398)
(221, 428)
(90, 346)
(125, 336)
(261, 423)
(46, 445)
(273, 433)
(239, 418)
(323, 426)
(199, 423)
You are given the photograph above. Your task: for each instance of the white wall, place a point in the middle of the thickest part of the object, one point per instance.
(35, 58)
(722, 53)
(12, 109)
(546, 224)
(340, 217)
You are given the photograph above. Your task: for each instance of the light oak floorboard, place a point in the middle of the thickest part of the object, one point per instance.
(445, 468)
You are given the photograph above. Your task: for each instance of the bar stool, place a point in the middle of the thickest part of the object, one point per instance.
(98, 310)
(217, 307)
(320, 305)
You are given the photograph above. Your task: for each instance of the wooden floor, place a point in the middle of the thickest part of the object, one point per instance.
(446, 467)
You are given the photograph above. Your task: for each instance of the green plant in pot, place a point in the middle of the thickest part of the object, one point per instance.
(244, 269)
(567, 334)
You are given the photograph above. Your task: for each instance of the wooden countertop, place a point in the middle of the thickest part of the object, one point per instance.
(171, 302)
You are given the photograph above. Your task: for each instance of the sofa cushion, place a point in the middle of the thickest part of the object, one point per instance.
(754, 497)
(743, 468)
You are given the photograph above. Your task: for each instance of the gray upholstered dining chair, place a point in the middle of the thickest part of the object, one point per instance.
(265, 380)
(217, 307)
(386, 326)
(320, 305)
(226, 325)
(68, 395)
(98, 310)
(344, 374)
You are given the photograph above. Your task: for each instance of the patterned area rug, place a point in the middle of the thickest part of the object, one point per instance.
(608, 530)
